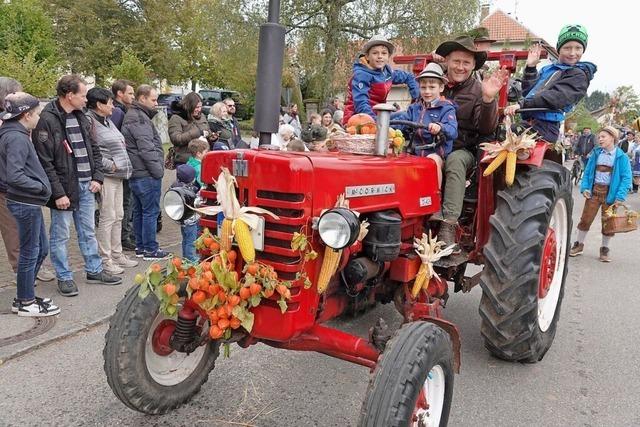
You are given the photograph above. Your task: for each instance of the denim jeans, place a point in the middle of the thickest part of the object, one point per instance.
(189, 236)
(127, 228)
(84, 221)
(146, 207)
(33, 246)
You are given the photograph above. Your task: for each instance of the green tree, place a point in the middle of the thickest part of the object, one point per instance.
(38, 77)
(624, 104)
(333, 26)
(596, 100)
(29, 50)
(25, 27)
(581, 117)
(130, 68)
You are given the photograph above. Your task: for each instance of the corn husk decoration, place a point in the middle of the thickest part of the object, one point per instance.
(238, 221)
(332, 257)
(508, 151)
(430, 250)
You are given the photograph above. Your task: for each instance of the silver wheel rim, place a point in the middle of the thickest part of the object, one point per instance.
(547, 305)
(434, 389)
(171, 369)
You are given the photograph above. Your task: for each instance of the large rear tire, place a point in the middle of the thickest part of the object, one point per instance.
(144, 379)
(526, 264)
(412, 384)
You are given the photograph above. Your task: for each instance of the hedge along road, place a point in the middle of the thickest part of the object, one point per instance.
(588, 377)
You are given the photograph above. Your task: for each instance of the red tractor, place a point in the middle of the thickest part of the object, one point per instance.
(520, 234)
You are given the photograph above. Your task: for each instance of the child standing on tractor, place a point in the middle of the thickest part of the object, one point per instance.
(606, 181)
(435, 112)
(373, 77)
(557, 86)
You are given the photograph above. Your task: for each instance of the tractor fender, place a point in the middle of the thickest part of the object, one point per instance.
(454, 334)
(538, 154)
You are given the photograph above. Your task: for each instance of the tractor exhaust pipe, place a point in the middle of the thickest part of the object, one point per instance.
(382, 124)
(269, 80)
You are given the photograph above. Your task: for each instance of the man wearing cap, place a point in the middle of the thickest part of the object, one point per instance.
(73, 163)
(373, 77)
(28, 189)
(477, 116)
(558, 87)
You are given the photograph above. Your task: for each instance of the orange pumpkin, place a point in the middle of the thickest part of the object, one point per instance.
(360, 119)
(352, 130)
(368, 129)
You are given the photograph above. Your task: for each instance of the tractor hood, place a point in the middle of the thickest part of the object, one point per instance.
(405, 183)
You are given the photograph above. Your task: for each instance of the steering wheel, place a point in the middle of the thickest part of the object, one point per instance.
(411, 148)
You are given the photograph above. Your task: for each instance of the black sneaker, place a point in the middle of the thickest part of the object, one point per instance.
(139, 252)
(103, 278)
(128, 245)
(67, 288)
(16, 304)
(158, 255)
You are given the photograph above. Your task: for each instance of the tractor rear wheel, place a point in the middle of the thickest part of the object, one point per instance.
(143, 371)
(412, 384)
(526, 264)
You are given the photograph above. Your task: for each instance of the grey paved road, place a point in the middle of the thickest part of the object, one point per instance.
(589, 377)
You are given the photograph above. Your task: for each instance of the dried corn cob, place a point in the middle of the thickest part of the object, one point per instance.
(226, 236)
(510, 173)
(329, 266)
(495, 164)
(245, 243)
(422, 279)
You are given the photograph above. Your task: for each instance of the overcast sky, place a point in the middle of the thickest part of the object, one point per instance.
(613, 28)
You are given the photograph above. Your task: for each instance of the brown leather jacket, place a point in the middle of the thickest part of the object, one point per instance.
(476, 119)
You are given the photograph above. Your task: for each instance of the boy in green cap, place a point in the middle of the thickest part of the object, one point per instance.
(557, 86)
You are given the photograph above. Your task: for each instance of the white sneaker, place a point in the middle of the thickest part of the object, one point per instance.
(124, 261)
(45, 275)
(111, 267)
(38, 309)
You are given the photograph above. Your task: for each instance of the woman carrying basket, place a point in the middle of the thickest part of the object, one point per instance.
(606, 181)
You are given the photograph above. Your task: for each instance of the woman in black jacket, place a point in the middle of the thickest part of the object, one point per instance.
(28, 189)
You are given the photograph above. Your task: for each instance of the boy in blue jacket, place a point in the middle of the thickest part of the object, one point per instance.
(372, 79)
(557, 86)
(606, 181)
(437, 113)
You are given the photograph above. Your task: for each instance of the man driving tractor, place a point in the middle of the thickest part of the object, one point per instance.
(477, 116)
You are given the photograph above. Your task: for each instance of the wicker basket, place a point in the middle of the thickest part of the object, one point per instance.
(356, 144)
(321, 146)
(619, 223)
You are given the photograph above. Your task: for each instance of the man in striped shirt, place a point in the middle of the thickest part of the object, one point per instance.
(72, 161)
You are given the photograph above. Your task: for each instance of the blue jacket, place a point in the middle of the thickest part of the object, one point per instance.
(556, 87)
(620, 176)
(442, 112)
(369, 86)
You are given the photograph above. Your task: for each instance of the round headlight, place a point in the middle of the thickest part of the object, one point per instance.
(338, 228)
(173, 205)
(176, 203)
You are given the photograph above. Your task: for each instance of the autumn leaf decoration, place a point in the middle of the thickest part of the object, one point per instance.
(508, 151)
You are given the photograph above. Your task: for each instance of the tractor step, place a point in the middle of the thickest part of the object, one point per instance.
(453, 260)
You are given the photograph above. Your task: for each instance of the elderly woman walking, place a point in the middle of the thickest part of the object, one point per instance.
(117, 167)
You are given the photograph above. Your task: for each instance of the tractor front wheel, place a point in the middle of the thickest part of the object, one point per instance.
(412, 384)
(526, 264)
(142, 369)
